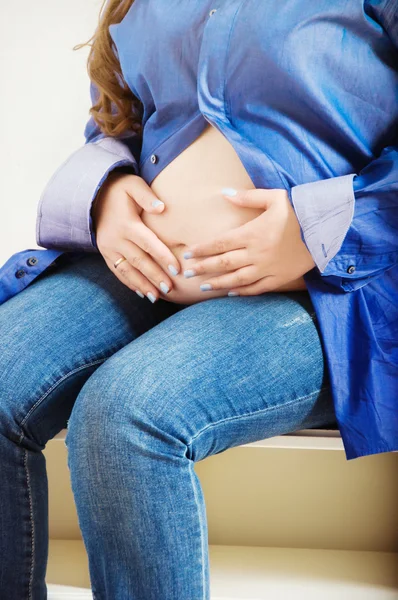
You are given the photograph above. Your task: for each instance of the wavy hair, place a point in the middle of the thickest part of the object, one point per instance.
(116, 109)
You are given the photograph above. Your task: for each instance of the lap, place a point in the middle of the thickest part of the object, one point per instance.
(250, 366)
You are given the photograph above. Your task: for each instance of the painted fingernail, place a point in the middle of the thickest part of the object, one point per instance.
(151, 297)
(233, 294)
(189, 273)
(165, 288)
(187, 254)
(173, 270)
(206, 286)
(156, 203)
(229, 191)
(140, 294)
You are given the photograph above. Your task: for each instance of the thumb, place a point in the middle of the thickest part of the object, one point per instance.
(256, 198)
(142, 194)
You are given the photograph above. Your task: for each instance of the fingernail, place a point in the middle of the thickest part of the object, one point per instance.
(229, 191)
(189, 273)
(206, 286)
(187, 254)
(165, 288)
(173, 270)
(151, 297)
(233, 294)
(156, 203)
(140, 294)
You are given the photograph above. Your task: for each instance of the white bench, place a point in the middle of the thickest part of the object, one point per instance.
(244, 568)
(304, 439)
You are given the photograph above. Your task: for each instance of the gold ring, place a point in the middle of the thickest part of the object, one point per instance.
(119, 260)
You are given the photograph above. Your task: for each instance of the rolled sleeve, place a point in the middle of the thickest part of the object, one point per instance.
(325, 210)
(63, 216)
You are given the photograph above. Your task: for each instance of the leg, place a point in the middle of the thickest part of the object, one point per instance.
(54, 335)
(215, 375)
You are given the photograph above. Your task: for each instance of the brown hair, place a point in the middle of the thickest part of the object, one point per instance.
(117, 109)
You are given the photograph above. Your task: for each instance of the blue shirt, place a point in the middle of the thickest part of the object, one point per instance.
(307, 94)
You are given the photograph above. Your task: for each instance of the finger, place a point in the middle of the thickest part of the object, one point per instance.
(266, 284)
(234, 239)
(138, 189)
(236, 279)
(149, 242)
(132, 278)
(144, 263)
(230, 261)
(255, 198)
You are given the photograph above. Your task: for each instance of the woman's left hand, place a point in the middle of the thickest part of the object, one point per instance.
(263, 255)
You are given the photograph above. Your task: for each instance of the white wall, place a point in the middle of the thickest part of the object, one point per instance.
(44, 103)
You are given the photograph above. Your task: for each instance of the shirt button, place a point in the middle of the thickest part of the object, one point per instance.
(211, 13)
(32, 260)
(20, 273)
(154, 158)
(351, 269)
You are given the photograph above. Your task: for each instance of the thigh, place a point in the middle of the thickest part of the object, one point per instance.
(56, 333)
(216, 374)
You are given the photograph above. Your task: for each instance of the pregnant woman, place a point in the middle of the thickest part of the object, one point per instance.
(238, 156)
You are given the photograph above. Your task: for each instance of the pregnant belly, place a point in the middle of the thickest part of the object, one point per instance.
(190, 186)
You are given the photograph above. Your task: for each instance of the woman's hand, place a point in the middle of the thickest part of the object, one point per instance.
(120, 231)
(265, 254)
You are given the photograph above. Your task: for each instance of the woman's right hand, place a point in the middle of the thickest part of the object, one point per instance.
(120, 231)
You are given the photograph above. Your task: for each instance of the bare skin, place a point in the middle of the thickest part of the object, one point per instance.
(195, 211)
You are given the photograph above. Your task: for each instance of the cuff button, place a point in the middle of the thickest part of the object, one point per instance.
(20, 273)
(32, 260)
(351, 269)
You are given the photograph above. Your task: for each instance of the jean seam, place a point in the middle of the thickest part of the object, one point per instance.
(193, 484)
(32, 525)
(40, 400)
(255, 412)
(25, 463)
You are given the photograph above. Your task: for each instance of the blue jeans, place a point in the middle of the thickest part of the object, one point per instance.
(146, 390)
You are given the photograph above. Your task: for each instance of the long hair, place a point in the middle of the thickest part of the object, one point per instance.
(117, 109)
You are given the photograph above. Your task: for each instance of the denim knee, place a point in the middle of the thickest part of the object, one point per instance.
(18, 393)
(122, 403)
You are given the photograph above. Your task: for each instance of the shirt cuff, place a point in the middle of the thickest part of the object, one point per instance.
(63, 215)
(325, 210)
(22, 268)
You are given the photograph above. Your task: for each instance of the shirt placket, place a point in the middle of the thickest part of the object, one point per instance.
(217, 44)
